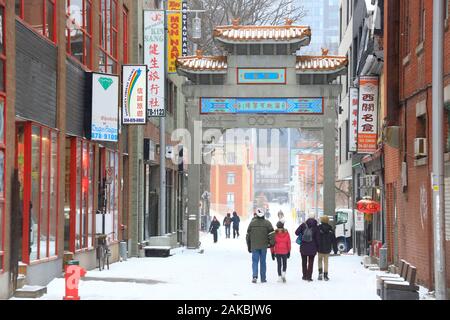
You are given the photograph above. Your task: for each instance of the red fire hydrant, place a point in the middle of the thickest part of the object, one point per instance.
(72, 277)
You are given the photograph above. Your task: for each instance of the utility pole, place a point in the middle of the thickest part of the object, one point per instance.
(162, 139)
(440, 282)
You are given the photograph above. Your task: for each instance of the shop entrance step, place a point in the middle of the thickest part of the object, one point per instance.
(157, 251)
(31, 292)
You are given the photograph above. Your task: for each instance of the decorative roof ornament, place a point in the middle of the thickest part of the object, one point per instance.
(199, 53)
(236, 22)
(288, 21)
(325, 52)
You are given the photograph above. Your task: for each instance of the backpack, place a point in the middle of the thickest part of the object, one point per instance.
(307, 234)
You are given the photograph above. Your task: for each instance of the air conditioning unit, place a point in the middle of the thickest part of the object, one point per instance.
(420, 147)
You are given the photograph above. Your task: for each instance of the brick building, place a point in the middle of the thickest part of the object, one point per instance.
(408, 124)
(49, 51)
(232, 181)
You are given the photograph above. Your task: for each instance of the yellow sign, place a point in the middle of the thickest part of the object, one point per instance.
(174, 43)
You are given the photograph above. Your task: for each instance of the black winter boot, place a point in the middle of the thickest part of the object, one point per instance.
(320, 274)
(326, 276)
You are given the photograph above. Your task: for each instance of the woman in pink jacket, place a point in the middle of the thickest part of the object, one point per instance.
(281, 250)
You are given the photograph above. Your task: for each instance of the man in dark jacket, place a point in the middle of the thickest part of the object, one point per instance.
(327, 242)
(309, 246)
(227, 223)
(236, 220)
(258, 233)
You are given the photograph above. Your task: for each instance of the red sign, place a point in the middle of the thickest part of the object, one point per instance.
(368, 206)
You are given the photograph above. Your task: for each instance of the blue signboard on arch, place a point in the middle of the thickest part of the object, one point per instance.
(261, 105)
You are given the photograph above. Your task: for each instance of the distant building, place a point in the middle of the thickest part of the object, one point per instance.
(323, 18)
(232, 181)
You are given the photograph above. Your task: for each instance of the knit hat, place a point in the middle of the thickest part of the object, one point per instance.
(324, 219)
(259, 213)
(280, 225)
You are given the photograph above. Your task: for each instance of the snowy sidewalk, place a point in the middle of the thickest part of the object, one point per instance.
(222, 272)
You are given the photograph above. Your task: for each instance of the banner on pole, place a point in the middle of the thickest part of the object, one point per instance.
(154, 59)
(134, 94)
(368, 115)
(353, 118)
(184, 32)
(174, 27)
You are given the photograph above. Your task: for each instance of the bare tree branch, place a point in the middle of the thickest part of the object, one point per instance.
(250, 12)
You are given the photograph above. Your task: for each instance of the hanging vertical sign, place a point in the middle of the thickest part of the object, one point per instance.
(174, 26)
(134, 94)
(154, 59)
(105, 107)
(359, 221)
(368, 115)
(353, 118)
(184, 32)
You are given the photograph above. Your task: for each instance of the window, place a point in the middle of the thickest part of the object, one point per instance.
(108, 194)
(40, 15)
(125, 35)
(422, 22)
(108, 19)
(79, 206)
(79, 30)
(231, 177)
(230, 200)
(2, 132)
(37, 161)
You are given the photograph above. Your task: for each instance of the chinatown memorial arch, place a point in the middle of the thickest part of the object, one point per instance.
(261, 83)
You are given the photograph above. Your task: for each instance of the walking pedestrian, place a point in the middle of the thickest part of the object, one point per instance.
(281, 250)
(327, 241)
(227, 223)
(310, 243)
(236, 220)
(280, 215)
(215, 225)
(258, 238)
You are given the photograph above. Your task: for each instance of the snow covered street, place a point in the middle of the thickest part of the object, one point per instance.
(221, 272)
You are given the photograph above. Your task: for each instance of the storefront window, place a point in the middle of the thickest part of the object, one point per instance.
(79, 190)
(79, 30)
(40, 15)
(109, 193)
(108, 18)
(37, 152)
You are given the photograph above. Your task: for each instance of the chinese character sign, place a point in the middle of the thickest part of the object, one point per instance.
(154, 59)
(368, 115)
(353, 118)
(134, 94)
(105, 107)
(174, 43)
